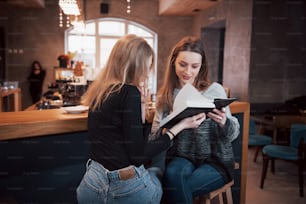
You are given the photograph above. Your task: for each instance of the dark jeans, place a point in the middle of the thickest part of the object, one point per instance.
(183, 181)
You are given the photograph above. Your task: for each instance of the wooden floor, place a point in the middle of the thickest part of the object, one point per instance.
(280, 188)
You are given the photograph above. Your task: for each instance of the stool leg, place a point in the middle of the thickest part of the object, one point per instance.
(229, 198)
(207, 201)
(258, 148)
(265, 162)
(220, 196)
(301, 177)
(196, 200)
(273, 165)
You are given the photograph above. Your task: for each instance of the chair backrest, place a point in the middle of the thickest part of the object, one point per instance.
(227, 91)
(252, 127)
(297, 133)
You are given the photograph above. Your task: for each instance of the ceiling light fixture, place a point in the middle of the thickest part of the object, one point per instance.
(68, 8)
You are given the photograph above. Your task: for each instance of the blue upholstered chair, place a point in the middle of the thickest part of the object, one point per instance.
(257, 140)
(296, 153)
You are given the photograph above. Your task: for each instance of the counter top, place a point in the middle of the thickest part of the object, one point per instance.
(22, 124)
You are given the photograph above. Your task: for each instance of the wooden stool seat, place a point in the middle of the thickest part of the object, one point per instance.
(220, 192)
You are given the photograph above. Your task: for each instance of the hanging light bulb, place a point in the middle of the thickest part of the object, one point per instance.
(60, 24)
(67, 21)
(128, 7)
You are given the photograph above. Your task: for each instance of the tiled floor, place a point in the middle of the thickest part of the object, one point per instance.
(280, 188)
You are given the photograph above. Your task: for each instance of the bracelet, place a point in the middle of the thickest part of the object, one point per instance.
(171, 133)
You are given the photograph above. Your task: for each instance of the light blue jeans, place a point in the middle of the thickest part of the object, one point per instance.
(183, 181)
(102, 186)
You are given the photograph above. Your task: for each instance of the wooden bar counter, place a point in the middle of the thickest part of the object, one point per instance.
(54, 141)
(26, 124)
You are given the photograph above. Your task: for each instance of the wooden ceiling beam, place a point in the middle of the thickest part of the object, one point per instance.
(184, 7)
(25, 3)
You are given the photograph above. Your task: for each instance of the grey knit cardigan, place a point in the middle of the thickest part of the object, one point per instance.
(209, 143)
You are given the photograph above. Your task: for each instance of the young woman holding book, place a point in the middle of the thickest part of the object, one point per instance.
(119, 147)
(200, 160)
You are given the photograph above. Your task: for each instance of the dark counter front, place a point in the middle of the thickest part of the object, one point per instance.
(43, 169)
(44, 154)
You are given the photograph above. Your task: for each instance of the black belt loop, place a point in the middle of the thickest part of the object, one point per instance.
(88, 163)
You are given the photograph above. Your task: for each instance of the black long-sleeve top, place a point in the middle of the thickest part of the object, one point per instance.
(36, 80)
(116, 134)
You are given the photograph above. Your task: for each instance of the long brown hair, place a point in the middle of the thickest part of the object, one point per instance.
(127, 64)
(165, 96)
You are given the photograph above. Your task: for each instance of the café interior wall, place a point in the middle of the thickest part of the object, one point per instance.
(31, 34)
(170, 29)
(278, 60)
(264, 54)
(237, 43)
(34, 34)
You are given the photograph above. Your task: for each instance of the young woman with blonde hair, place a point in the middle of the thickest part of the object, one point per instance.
(119, 148)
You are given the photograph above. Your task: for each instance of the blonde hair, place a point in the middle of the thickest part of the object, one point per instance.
(165, 96)
(127, 64)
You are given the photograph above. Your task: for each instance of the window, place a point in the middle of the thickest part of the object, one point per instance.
(93, 43)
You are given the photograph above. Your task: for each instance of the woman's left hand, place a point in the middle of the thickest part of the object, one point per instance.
(145, 93)
(218, 116)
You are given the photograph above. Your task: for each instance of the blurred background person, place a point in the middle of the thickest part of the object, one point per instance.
(36, 80)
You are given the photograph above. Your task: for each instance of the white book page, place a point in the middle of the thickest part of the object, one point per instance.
(189, 96)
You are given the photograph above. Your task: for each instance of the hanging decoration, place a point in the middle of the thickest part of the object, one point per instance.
(68, 8)
(128, 7)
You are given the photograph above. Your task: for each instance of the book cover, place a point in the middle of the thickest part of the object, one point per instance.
(188, 102)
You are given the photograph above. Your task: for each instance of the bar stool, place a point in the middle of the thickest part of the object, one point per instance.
(224, 194)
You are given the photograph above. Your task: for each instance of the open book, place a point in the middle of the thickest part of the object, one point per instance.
(188, 102)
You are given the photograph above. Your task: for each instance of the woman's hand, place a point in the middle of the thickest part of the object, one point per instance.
(145, 93)
(218, 116)
(194, 121)
(190, 122)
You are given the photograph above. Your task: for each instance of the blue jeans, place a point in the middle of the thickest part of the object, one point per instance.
(183, 181)
(102, 186)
